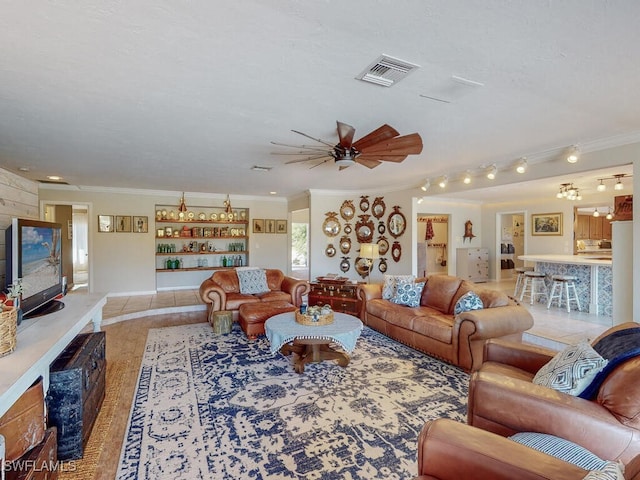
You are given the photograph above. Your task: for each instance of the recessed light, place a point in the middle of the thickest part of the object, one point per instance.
(273, 193)
(24, 169)
(55, 178)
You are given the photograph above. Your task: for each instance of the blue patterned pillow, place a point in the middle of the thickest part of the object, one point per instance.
(468, 301)
(408, 293)
(390, 282)
(252, 281)
(571, 370)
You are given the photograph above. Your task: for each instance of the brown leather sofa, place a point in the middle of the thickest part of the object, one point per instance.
(450, 450)
(221, 291)
(433, 328)
(503, 399)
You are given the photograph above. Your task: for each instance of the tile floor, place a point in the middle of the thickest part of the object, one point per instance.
(553, 328)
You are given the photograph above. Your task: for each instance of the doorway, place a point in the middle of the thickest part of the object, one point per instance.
(74, 219)
(300, 244)
(510, 243)
(433, 240)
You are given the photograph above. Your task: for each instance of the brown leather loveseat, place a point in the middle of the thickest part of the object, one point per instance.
(433, 328)
(221, 291)
(503, 399)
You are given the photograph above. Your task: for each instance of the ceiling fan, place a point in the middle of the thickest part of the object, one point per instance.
(382, 145)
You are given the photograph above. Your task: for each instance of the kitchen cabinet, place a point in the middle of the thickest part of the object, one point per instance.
(582, 227)
(607, 232)
(595, 228)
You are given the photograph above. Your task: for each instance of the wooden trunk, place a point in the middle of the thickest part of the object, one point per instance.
(76, 392)
(40, 463)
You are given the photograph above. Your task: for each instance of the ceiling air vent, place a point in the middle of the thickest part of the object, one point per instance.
(387, 71)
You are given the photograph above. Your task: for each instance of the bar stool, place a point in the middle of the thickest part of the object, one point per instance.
(520, 279)
(566, 282)
(533, 286)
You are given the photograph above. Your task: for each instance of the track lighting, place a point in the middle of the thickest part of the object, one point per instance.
(618, 185)
(443, 181)
(573, 155)
(491, 173)
(426, 185)
(420, 200)
(602, 187)
(467, 177)
(521, 166)
(596, 213)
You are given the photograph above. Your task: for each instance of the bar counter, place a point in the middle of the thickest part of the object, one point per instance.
(594, 278)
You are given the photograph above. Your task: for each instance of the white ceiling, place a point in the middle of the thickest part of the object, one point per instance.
(187, 96)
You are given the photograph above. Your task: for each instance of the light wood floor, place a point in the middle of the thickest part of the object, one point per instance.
(125, 342)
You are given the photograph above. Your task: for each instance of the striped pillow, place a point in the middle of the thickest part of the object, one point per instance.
(561, 448)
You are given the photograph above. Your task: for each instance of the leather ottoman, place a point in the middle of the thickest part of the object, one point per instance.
(251, 316)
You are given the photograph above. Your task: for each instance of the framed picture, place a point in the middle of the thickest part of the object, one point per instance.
(281, 226)
(105, 223)
(140, 224)
(123, 223)
(270, 225)
(546, 224)
(258, 225)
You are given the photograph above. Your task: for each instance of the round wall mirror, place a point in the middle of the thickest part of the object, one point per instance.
(347, 228)
(345, 265)
(330, 251)
(345, 244)
(396, 223)
(331, 225)
(382, 266)
(364, 229)
(381, 228)
(364, 203)
(378, 207)
(396, 251)
(362, 266)
(383, 245)
(347, 210)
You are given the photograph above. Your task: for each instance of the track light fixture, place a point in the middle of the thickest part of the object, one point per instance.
(467, 177)
(568, 191)
(574, 154)
(596, 213)
(617, 186)
(491, 172)
(420, 200)
(609, 214)
(426, 185)
(521, 166)
(443, 181)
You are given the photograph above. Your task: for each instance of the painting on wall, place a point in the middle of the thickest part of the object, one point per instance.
(546, 224)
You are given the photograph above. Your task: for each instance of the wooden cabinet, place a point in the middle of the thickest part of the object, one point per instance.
(582, 227)
(76, 392)
(39, 463)
(202, 238)
(607, 232)
(472, 264)
(341, 297)
(595, 228)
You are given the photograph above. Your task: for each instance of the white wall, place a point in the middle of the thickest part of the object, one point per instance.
(125, 262)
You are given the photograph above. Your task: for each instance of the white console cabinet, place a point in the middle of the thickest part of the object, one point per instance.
(472, 264)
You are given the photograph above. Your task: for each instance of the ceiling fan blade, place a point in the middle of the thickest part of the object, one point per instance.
(316, 157)
(367, 162)
(345, 134)
(406, 145)
(383, 158)
(312, 138)
(380, 134)
(318, 164)
(306, 147)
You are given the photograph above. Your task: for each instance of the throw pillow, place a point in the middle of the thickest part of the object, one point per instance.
(468, 301)
(389, 287)
(612, 471)
(408, 293)
(560, 448)
(571, 370)
(252, 281)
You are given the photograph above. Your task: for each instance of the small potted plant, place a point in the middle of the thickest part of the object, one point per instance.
(14, 295)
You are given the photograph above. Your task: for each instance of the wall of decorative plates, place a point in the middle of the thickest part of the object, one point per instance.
(369, 222)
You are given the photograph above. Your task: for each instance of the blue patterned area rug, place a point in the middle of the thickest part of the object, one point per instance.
(223, 407)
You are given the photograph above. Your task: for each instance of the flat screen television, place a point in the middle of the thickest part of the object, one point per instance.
(33, 253)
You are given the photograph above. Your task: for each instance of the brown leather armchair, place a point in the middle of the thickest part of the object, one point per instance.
(503, 400)
(450, 450)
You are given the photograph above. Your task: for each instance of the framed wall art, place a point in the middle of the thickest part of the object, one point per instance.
(123, 223)
(546, 224)
(270, 225)
(105, 223)
(258, 225)
(140, 224)
(281, 226)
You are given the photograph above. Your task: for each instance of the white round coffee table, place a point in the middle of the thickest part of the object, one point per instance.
(313, 343)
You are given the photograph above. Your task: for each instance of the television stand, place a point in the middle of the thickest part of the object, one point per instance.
(46, 309)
